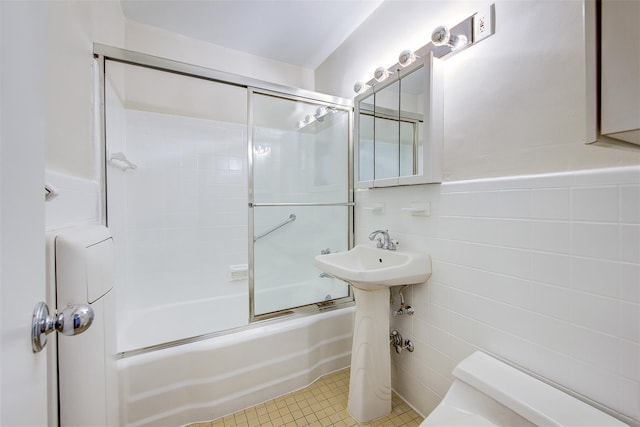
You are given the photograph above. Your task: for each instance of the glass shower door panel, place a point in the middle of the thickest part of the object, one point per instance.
(300, 200)
(284, 273)
(300, 151)
(178, 210)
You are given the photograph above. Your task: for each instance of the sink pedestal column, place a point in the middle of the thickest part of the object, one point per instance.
(370, 381)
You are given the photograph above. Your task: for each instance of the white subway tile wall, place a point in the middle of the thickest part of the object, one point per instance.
(184, 199)
(542, 270)
(179, 221)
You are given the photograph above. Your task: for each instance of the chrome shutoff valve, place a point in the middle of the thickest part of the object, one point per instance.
(405, 309)
(397, 342)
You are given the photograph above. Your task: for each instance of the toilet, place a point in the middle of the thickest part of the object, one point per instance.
(488, 392)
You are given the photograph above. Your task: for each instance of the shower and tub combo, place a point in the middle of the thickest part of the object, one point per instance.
(219, 192)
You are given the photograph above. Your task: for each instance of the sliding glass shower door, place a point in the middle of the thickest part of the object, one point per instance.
(218, 195)
(299, 200)
(176, 178)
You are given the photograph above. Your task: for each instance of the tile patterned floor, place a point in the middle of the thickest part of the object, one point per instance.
(323, 403)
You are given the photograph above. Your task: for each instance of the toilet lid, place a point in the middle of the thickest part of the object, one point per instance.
(459, 419)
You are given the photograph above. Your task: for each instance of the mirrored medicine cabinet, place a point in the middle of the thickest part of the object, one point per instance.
(399, 127)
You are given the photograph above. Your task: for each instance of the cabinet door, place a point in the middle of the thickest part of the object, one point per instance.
(620, 74)
(386, 144)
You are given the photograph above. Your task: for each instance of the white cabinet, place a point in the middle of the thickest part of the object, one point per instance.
(399, 127)
(620, 70)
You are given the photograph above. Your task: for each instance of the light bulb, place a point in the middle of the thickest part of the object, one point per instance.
(459, 41)
(406, 57)
(380, 74)
(359, 87)
(441, 36)
(320, 113)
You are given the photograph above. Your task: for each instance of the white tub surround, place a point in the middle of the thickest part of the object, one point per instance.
(210, 379)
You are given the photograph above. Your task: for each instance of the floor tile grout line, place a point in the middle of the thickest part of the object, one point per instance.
(323, 403)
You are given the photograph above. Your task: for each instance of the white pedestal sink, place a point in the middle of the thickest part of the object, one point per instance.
(371, 272)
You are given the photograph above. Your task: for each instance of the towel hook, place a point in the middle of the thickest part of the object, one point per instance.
(120, 157)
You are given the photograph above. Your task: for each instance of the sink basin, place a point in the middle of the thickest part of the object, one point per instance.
(371, 268)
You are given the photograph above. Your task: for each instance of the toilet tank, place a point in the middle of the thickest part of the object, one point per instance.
(82, 263)
(530, 398)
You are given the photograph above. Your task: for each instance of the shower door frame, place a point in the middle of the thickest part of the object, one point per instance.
(349, 203)
(102, 53)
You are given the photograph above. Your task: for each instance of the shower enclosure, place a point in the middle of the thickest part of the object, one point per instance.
(220, 190)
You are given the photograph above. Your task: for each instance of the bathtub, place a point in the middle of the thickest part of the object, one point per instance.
(212, 378)
(151, 326)
(147, 327)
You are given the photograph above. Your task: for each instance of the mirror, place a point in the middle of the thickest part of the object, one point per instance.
(411, 120)
(364, 128)
(387, 130)
(399, 128)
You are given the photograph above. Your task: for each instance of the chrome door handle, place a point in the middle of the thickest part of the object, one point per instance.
(73, 320)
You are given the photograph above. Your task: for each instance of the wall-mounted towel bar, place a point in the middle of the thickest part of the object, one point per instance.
(291, 218)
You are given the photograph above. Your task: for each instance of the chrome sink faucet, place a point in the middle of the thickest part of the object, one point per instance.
(385, 241)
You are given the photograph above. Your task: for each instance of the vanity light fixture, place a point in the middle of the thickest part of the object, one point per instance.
(380, 74)
(320, 113)
(444, 42)
(262, 150)
(441, 36)
(406, 57)
(306, 122)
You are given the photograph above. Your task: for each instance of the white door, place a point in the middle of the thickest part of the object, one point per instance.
(23, 30)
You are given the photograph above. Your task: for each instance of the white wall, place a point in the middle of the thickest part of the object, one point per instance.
(543, 270)
(155, 41)
(515, 103)
(73, 27)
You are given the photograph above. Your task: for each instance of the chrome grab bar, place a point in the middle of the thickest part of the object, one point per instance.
(291, 218)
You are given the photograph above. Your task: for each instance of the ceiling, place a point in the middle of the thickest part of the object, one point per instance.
(298, 32)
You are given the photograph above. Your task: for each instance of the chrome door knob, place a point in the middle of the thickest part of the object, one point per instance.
(73, 320)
